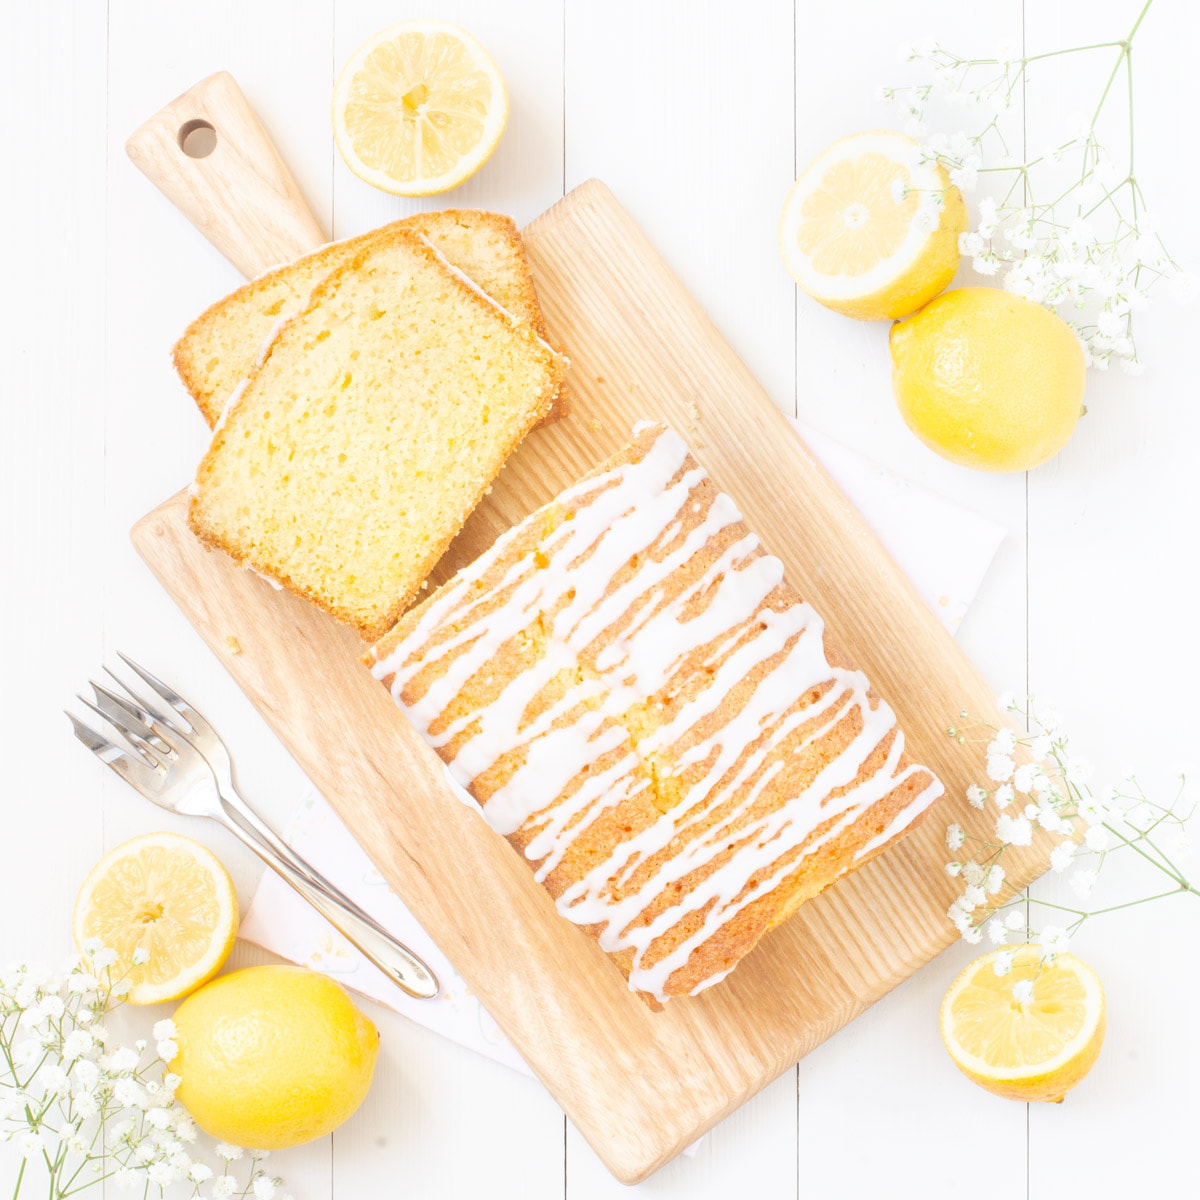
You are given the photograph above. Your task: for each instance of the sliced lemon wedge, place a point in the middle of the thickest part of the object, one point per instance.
(168, 896)
(862, 232)
(419, 108)
(1031, 1034)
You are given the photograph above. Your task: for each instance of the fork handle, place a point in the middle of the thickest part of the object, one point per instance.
(393, 958)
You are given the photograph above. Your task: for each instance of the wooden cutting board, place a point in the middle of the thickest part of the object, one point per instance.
(639, 1085)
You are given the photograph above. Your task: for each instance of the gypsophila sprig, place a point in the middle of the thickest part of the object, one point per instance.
(84, 1110)
(1046, 787)
(1066, 227)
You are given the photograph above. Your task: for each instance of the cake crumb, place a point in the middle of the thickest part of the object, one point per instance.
(596, 425)
(601, 379)
(233, 645)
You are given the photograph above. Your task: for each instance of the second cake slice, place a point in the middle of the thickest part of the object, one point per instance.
(375, 423)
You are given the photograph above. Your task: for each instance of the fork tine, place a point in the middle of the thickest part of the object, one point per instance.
(168, 695)
(135, 772)
(122, 718)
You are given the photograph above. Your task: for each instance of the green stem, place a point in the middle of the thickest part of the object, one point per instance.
(20, 1176)
(1166, 870)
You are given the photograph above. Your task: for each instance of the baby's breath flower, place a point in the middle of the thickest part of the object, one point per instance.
(1062, 856)
(140, 956)
(994, 880)
(103, 958)
(996, 931)
(1003, 962)
(1023, 991)
(228, 1152)
(264, 1188)
(955, 837)
(954, 869)
(999, 767)
(1097, 838)
(1015, 830)
(1014, 920)
(973, 873)
(976, 796)
(167, 1049)
(1004, 795)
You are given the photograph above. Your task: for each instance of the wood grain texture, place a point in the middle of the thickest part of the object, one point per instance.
(640, 1086)
(241, 196)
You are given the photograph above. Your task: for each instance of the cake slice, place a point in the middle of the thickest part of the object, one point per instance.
(220, 347)
(647, 710)
(376, 421)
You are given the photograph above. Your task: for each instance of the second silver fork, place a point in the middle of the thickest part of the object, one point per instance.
(190, 772)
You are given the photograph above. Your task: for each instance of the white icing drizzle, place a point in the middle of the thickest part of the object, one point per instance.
(576, 760)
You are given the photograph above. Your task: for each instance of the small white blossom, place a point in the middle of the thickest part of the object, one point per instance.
(1015, 920)
(140, 956)
(1023, 991)
(1082, 882)
(224, 1186)
(1024, 776)
(1062, 856)
(1004, 742)
(1004, 795)
(104, 958)
(76, 1044)
(159, 1118)
(955, 837)
(976, 796)
(129, 1093)
(973, 873)
(996, 932)
(228, 1152)
(122, 1060)
(994, 880)
(160, 1173)
(1017, 831)
(167, 1049)
(1006, 701)
(1054, 938)
(264, 1188)
(1049, 819)
(954, 869)
(164, 1029)
(999, 767)
(1003, 963)
(32, 1144)
(972, 935)
(973, 896)
(1097, 838)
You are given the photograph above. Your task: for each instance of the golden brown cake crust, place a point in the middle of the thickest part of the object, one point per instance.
(788, 712)
(244, 406)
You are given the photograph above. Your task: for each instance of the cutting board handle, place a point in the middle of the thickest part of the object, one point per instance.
(209, 154)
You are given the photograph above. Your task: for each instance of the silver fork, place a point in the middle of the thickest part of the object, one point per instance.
(180, 763)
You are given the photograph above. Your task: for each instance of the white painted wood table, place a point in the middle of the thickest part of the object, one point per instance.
(696, 114)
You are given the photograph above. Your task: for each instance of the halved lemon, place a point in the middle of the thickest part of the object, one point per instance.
(1025, 1049)
(862, 232)
(419, 108)
(169, 896)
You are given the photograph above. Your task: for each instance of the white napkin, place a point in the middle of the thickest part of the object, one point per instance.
(945, 551)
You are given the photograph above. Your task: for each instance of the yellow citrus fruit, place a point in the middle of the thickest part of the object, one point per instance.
(419, 108)
(172, 898)
(860, 230)
(272, 1056)
(988, 379)
(1036, 1049)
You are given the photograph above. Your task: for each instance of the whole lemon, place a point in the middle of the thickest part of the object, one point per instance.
(272, 1056)
(988, 379)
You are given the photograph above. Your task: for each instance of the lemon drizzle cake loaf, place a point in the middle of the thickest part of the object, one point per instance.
(376, 421)
(645, 708)
(220, 347)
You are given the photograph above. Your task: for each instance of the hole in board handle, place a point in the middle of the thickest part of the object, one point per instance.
(197, 139)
